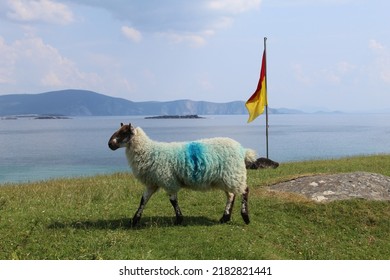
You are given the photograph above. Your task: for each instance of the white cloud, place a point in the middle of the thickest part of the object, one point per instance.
(221, 23)
(205, 83)
(39, 10)
(334, 74)
(199, 38)
(345, 67)
(338, 72)
(52, 80)
(7, 64)
(192, 39)
(300, 74)
(382, 62)
(375, 45)
(33, 63)
(294, 3)
(132, 33)
(233, 6)
(177, 20)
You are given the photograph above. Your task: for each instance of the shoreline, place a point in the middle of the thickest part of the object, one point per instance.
(175, 117)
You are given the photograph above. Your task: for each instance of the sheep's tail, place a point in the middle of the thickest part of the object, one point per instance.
(250, 157)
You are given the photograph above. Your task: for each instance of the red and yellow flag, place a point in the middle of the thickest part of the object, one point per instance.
(257, 102)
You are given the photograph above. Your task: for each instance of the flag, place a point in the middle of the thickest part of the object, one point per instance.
(257, 102)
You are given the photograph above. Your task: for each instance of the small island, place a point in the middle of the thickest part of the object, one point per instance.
(35, 117)
(176, 117)
(51, 117)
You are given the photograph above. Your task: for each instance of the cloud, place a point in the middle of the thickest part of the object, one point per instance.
(179, 21)
(205, 83)
(192, 39)
(298, 3)
(39, 10)
(375, 45)
(337, 73)
(300, 75)
(6, 62)
(382, 61)
(33, 63)
(132, 33)
(333, 74)
(198, 38)
(233, 6)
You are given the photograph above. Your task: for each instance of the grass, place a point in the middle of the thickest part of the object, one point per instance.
(88, 218)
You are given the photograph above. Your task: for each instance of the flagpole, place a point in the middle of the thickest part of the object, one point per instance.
(266, 91)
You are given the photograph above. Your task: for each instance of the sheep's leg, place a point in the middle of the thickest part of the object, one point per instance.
(175, 204)
(144, 199)
(227, 214)
(244, 206)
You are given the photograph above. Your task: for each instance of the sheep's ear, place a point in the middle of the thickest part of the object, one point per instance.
(121, 124)
(132, 129)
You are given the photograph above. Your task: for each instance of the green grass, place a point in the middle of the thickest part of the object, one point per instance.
(88, 218)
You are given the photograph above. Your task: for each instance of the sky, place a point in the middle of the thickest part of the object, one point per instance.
(322, 54)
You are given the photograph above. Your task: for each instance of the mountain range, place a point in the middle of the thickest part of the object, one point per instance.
(74, 102)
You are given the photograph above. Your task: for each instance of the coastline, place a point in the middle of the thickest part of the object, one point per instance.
(175, 117)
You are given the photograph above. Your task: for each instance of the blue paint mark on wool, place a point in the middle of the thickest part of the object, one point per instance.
(195, 155)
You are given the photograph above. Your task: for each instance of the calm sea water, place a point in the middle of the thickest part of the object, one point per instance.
(32, 150)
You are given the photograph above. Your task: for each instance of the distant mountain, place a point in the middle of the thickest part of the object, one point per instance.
(64, 102)
(88, 103)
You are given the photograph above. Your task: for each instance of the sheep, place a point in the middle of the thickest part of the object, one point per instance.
(215, 163)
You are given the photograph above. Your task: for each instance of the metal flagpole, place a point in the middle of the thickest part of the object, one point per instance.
(266, 96)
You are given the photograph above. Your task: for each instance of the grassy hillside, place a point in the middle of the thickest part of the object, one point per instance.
(88, 218)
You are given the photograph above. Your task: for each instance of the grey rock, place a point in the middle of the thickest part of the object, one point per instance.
(325, 188)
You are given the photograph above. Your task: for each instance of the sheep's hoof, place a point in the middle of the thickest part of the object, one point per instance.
(179, 220)
(245, 217)
(225, 218)
(135, 221)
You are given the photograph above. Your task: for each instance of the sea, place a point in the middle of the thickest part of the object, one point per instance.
(40, 149)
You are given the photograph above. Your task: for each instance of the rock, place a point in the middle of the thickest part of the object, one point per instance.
(325, 188)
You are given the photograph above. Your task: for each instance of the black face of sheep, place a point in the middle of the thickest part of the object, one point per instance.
(262, 163)
(121, 137)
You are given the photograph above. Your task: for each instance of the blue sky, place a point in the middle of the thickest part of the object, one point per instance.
(332, 54)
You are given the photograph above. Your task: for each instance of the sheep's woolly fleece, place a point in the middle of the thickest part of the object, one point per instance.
(208, 163)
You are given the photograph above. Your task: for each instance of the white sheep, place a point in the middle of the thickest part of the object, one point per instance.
(199, 165)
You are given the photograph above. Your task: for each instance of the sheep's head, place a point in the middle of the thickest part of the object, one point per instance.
(121, 137)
